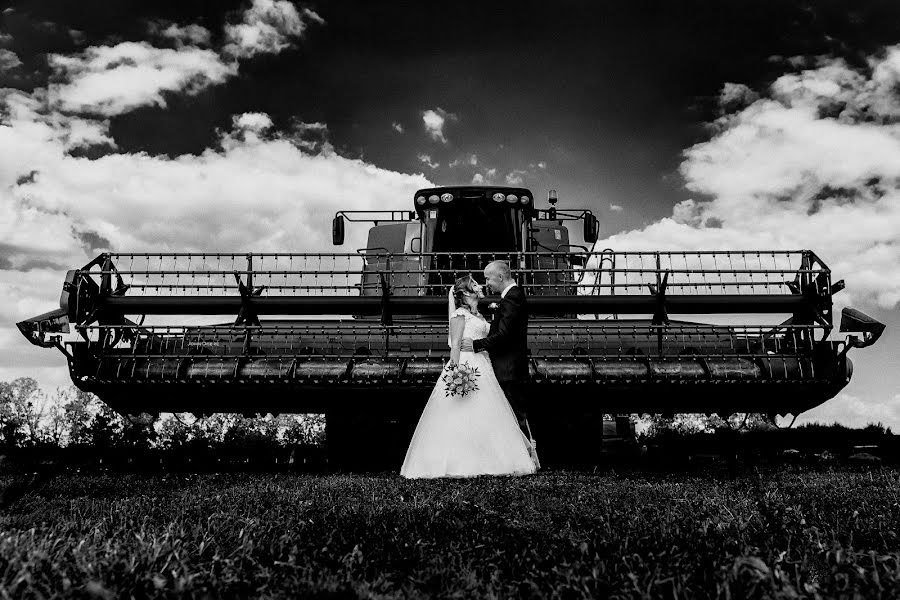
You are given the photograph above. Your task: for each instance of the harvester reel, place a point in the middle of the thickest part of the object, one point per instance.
(660, 315)
(247, 315)
(817, 291)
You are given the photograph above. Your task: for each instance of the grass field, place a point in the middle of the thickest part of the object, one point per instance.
(783, 532)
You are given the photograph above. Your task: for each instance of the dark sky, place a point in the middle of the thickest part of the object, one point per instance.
(606, 96)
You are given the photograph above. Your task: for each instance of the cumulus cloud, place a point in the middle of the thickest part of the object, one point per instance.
(427, 160)
(813, 163)
(257, 122)
(193, 202)
(853, 411)
(191, 34)
(795, 62)
(397, 127)
(615, 208)
(78, 37)
(9, 60)
(471, 160)
(111, 80)
(312, 137)
(515, 177)
(39, 126)
(268, 26)
(486, 176)
(736, 95)
(434, 121)
(5, 39)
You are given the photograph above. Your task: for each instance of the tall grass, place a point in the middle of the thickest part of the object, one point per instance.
(778, 534)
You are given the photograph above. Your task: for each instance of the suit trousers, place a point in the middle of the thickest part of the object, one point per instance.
(516, 396)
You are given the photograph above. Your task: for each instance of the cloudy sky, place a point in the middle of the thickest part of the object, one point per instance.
(243, 125)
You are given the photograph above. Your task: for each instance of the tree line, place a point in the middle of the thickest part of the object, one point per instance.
(75, 425)
(69, 418)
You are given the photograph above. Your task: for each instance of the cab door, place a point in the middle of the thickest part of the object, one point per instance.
(395, 250)
(552, 275)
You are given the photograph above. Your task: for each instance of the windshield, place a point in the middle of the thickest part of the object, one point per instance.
(477, 226)
(483, 231)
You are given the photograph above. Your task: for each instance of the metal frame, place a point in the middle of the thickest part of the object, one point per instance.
(410, 216)
(558, 287)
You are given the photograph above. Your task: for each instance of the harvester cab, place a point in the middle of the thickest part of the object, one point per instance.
(362, 336)
(458, 230)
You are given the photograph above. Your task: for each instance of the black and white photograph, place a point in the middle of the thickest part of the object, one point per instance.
(347, 299)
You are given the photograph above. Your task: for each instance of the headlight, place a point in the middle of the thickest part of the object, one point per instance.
(420, 200)
(512, 198)
(498, 197)
(446, 197)
(434, 198)
(526, 200)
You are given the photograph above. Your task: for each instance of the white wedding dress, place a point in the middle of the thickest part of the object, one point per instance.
(475, 434)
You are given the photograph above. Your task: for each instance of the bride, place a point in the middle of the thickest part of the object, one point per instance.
(475, 434)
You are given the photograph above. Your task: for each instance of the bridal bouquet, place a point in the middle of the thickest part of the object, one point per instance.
(460, 379)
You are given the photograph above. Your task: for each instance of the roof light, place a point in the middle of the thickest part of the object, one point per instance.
(526, 200)
(434, 198)
(446, 197)
(498, 197)
(512, 198)
(420, 200)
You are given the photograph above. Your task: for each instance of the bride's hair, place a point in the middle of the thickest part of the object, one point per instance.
(463, 284)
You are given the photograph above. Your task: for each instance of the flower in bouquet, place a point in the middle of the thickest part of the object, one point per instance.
(459, 380)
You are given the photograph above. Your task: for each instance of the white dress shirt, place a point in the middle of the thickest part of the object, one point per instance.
(506, 289)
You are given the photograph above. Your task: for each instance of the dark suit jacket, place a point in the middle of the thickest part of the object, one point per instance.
(507, 342)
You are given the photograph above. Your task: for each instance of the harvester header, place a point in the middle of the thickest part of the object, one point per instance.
(361, 335)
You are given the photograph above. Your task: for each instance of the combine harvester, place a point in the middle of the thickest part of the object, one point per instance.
(362, 336)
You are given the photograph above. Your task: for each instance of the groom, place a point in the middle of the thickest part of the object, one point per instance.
(507, 341)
